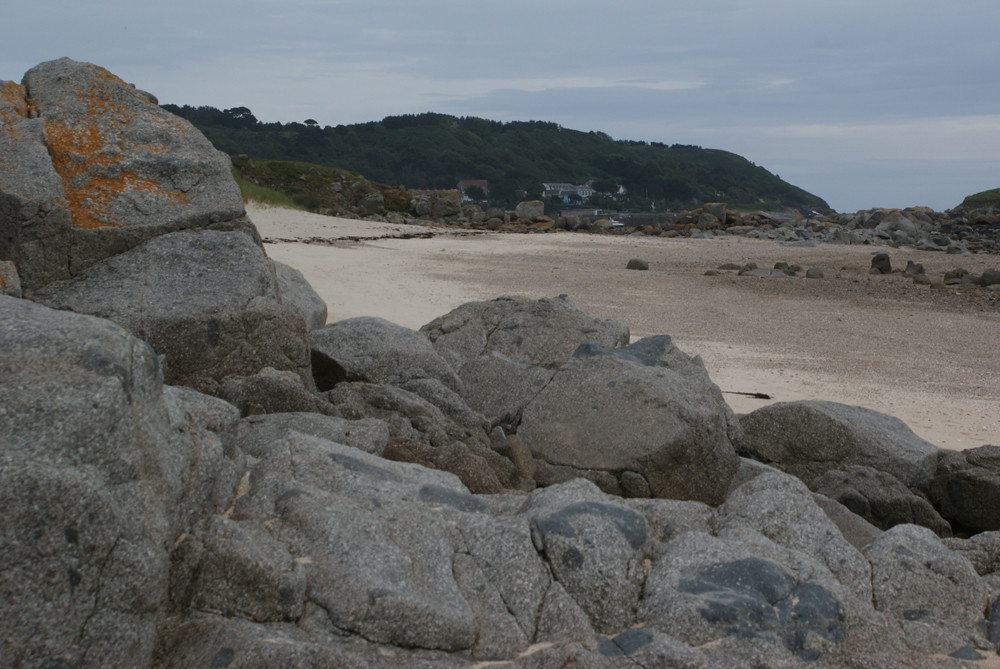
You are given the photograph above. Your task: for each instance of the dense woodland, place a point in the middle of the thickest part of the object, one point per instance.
(435, 151)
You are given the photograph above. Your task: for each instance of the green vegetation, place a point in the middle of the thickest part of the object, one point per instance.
(984, 198)
(308, 186)
(252, 192)
(435, 151)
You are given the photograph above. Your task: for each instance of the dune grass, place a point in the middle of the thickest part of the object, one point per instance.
(252, 192)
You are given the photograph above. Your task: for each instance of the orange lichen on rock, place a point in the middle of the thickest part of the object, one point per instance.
(86, 151)
(12, 93)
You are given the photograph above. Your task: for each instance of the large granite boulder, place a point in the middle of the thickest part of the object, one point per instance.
(90, 167)
(934, 594)
(296, 292)
(500, 387)
(543, 333)
(747, 601)
(595, 545)
(879, 498)
(809, 438)
(645, 418)
(780, 507)
(206, 300)
(375, 351)
(100, 471)
(966, 488)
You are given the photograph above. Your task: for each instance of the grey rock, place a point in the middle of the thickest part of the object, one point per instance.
(809, 438)
(956, 276)
(449, 402)
(502, 548)
(990, 277)
(530, 210)
(781, 508)
(215, 642)
(87, 202)
(296, 292)
(420, 432)
(372, 203)
(500, 387)
(879, 498)
(896, 224)
(636, 263)
(707, 590)
(913, 269)
(445, 204)
(208, 429)
(647, 409)
(36, 228)
(934, 594)
(245, 573)
(669, 518)
(93, 480)
(10, 282)
(966, 488)
(814, 273)
(856, 530)
(594, 545)
(373, 537)
(881, 264)
(258, 433)
(543, 333)
(497, 630)
(273, 391)
(206, 300)
(982, 550)
(376, 351)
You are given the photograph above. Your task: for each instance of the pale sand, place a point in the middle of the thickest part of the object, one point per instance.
(929, 357)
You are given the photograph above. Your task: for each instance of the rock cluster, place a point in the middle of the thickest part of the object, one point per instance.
(190, 479)
(958, 231)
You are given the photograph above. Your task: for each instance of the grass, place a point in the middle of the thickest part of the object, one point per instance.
(251, 192)
(985, 196)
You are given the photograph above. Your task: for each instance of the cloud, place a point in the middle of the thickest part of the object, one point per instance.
(818, 91)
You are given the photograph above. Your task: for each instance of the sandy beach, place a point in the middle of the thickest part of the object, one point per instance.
(928, 356)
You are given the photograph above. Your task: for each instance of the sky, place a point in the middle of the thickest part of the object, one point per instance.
(865, 103)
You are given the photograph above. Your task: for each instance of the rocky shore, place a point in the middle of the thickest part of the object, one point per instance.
(197, 470)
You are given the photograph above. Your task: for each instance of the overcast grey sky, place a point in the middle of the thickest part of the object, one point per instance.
(865, 103)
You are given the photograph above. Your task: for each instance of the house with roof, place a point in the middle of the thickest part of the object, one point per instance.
(567, 192)
(469, 183)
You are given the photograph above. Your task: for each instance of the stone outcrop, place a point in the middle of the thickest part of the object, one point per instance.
(809, 438)
(296, 292)
(102, 471)
(150, 525)
(93, 167)
(375, 351)
(111, 206)
(206, 300)
(966, 488)
(642, 420)
(543, 333)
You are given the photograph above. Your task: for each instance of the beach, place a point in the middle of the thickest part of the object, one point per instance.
(929, 356)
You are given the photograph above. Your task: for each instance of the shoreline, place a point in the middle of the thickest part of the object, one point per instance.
(927, 356)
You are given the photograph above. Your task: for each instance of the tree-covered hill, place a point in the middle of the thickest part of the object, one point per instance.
(430, 151)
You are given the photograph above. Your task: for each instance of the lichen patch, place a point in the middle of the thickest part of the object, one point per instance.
(87, 152)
